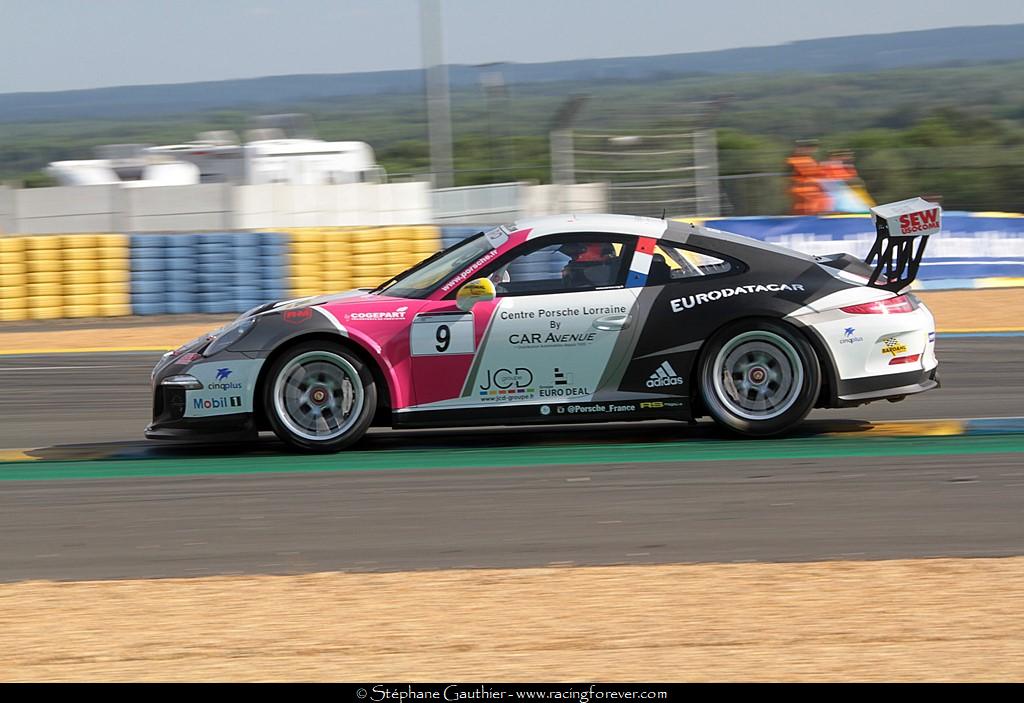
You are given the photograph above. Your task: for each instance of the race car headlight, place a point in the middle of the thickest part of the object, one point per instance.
(190, 383)
(229, 335)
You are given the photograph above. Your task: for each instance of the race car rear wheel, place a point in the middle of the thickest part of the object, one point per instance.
(319, 397)
(759, 378)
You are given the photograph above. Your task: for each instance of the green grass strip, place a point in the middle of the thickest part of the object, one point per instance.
(520, 456)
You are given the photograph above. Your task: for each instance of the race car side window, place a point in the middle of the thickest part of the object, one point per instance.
(563, 264)
(671, 262)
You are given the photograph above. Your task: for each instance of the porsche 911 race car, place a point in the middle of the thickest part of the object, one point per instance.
(571, 319)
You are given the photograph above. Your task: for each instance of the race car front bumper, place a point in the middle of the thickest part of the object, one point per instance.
(169, 421)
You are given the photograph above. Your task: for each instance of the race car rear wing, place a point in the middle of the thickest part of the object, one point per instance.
(901, 233)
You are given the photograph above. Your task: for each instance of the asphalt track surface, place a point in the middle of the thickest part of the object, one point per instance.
(648, 493)
(75, 398)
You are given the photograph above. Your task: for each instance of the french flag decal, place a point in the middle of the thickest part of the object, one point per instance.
(641, 264)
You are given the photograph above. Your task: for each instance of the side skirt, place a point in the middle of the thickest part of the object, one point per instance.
(547, 414)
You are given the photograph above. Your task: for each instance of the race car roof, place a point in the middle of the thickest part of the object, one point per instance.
(642, 227)
(559, 224)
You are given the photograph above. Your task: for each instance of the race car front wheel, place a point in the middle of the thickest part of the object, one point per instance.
(319, 397)
(759, 377)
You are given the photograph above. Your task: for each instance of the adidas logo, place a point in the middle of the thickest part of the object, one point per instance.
(665, 375)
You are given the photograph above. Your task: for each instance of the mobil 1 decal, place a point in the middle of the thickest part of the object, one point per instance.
(550, 347)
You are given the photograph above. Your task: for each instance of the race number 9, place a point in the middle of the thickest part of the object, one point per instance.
(444, 338)
(441, 335)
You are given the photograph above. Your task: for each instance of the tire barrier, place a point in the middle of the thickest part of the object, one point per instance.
(210, 272)
(96, 275)
(334, 259)
(55, 276)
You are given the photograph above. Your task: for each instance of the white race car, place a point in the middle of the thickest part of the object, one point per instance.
(572, 318)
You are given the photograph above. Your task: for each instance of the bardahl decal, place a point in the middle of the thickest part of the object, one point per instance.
(892, 345)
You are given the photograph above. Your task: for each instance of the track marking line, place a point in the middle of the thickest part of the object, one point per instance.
(916, 428)
(11, 455)
(80, 350)
(20, 369)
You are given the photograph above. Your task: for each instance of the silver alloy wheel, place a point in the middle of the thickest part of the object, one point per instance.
(757, 375)
(318, 396)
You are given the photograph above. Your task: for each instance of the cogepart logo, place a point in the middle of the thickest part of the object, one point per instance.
(396, 314)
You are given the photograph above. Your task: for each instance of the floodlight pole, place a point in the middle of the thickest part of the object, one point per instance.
(439, 119)
(563, 167)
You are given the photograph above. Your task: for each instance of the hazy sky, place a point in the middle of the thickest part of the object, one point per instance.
(61, 44)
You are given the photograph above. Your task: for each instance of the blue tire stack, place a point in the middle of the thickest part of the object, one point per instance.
(215, 273)
(455, 234)
(273, 267)
(543, 265)
(244, 263)
(148, 274)
(182, 274)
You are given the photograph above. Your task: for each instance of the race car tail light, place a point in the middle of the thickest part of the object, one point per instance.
(889, 306)
(904, 359)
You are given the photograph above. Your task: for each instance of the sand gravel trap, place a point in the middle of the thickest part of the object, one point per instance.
(943, 620)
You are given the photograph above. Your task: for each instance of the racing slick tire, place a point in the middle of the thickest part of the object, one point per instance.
(319, 397)
(758, 377)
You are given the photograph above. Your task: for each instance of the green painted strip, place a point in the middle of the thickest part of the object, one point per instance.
(508, 457)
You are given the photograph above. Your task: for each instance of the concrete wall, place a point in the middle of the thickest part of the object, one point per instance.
(67, 209)
(556, 199)
(211, 207)
(172, 208)
(219, 207)
(486, 204)
(6, 210)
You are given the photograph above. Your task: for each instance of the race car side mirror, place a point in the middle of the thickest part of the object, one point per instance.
(476, 291)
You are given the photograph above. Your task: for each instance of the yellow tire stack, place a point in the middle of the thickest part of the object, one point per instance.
(45, 277)
(13, 280)
(113, 275)
(369, 258)
(80, 276)
(306, 252)
(424, 241)
(336, 268)
(335, 259)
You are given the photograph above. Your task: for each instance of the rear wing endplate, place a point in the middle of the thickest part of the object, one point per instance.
(901, 233)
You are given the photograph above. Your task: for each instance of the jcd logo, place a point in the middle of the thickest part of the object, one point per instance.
(503, 379)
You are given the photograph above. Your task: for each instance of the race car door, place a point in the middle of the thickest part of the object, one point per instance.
(562, 328)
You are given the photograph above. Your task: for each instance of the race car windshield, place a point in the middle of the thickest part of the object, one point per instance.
(421, 280)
